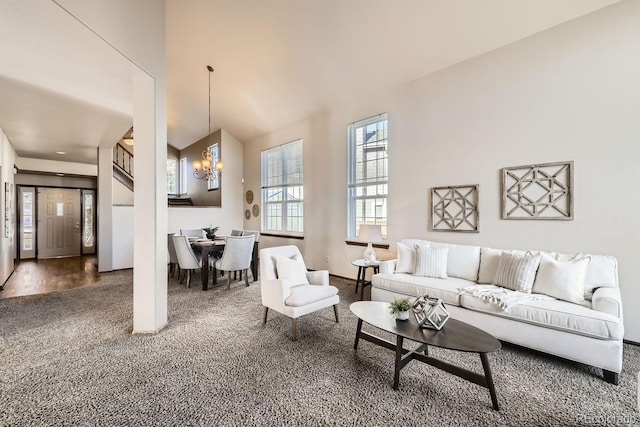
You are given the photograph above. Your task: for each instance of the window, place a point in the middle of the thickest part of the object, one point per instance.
(368, 174)
(183, 175)
(282, 189)
(172, 176)
(214, 158)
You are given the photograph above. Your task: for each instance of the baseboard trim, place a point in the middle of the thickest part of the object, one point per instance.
(637, 344)
(150, 332)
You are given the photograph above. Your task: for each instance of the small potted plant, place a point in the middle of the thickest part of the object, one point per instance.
(400, 308)
(211, 232)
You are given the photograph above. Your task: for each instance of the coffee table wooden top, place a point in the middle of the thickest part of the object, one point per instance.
(455, 335)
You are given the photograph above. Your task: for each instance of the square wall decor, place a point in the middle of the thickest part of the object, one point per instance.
(455, 208)
(543, 191)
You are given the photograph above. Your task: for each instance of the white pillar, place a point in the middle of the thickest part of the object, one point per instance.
(150, 203)
(105, 209)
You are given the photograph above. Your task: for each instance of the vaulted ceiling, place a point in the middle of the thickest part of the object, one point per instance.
(63, 89)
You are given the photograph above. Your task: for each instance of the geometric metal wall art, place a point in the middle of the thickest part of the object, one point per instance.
(543, 191)
(455, 208)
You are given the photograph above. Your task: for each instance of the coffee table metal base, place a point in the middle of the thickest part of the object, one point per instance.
(404, 356)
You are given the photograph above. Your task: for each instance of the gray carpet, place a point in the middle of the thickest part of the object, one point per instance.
(69, 359)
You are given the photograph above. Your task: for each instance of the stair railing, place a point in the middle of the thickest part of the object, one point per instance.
(123, 159)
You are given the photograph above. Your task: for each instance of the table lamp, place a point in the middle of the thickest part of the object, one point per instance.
(370, 233)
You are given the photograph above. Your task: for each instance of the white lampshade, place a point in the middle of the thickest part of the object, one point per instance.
(370, 233)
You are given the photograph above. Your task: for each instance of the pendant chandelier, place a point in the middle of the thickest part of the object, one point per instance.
(205, 169)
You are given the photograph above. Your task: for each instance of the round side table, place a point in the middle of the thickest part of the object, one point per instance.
(362, 265)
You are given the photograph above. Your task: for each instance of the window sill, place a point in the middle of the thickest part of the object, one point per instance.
(375, 245)
(284, 236)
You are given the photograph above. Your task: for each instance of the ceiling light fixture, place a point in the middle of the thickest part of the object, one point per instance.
(203, 169)
(128, 138)
(61, 152)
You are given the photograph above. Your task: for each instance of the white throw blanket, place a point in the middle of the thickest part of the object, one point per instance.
(503, 298)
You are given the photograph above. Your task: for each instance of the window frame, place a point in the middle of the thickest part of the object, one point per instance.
(175, 176)
(291, 184)
(353, 218)
(182, 172)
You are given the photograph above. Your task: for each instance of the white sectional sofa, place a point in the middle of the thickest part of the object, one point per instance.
(588, 331)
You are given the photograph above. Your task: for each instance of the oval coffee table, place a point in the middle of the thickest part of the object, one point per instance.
(455, 335)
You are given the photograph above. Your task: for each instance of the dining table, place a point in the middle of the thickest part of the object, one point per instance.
(214, 248)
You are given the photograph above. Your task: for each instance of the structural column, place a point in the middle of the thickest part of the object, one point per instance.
(150, 203)
(105, 209)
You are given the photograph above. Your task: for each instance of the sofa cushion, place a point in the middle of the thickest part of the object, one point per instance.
(556, 314)
(307, 294)
(516, 272)
(406, 259)
(561, 279)
(463, 261)
(602, 271)
(489, 260)
(415, 286)
(431, 261)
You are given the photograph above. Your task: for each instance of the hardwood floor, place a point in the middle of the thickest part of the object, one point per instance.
(50, 275)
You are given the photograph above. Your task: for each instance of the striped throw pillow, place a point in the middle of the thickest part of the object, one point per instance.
(431, 261)
(516, 272)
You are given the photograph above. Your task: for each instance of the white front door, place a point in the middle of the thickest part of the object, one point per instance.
(58, 222)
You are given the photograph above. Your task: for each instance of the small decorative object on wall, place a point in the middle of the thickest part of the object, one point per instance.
(247, 214)
(430, 312)
(455, 208)
(249, 196)
(543, 191)
(256, 210)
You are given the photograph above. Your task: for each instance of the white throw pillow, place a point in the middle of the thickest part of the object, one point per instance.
(516, 272)
(290, 269)
(489, 260)
(406, 259)
(431, 262)
(561, 279)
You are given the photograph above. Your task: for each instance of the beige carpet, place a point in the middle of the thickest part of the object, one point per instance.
(69, 359)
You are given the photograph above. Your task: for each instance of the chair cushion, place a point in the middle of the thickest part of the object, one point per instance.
(307, 294)
(290, 269)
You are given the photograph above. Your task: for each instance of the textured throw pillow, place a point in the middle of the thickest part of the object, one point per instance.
(291, 269)
(561, 279)
(431, 262)
(406, 259)
(516, 272)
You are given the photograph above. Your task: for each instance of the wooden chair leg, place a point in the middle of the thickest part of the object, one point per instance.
(188, 278)
(294, 333)
(228, 280)
(265, 311)
(335, 310)
(246, 277)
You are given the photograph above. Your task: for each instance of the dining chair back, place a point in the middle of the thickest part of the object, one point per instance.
(173, 257)
(237, 255)
(188, 260)
(196, 232)
(237, 233)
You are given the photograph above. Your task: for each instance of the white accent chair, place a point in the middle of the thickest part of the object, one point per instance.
(235, 257)
(294, 299)
(188, 260)
(196, 232)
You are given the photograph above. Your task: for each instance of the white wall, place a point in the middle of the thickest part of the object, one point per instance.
(123, 230)
(569, 93)
(54, 166)
(121, 194)
(8, 247)
(229, 216)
